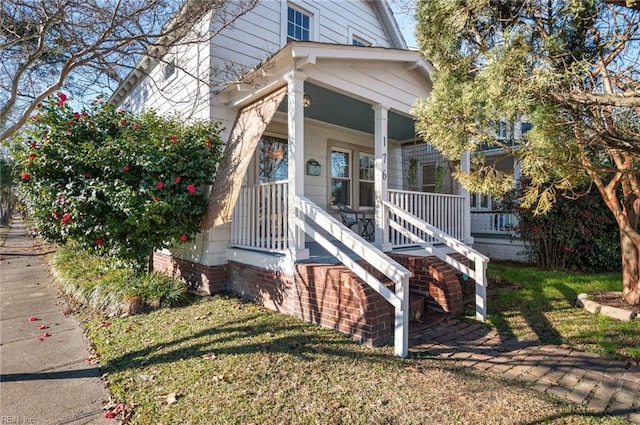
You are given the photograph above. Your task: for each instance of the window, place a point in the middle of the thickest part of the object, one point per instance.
(298, 25)
(273, 163)
(357, 41)
(429, 177)
(501, 130)
(169, 69)
(366, 173)
(340, 176)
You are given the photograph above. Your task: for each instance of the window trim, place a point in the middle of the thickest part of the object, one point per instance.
(354, 150)
(314, 18)
(333, 148)
(372, 181)
(358, 34)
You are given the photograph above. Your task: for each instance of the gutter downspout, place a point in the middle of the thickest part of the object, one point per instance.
(390, 23)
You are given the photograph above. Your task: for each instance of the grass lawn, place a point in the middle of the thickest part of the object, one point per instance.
(222, 360)
(535, 304)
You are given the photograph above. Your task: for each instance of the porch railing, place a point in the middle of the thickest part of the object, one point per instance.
(260, 217)
(376, 258)
(445, 212)
(405, 222)
(494, 222)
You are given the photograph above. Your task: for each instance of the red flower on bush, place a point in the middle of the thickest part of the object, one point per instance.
(33, 145)
(184, 238)
(174, 139)
(56, 215)
(208, 143)
(76, 115)
(25, 177)
(123, 123)
(160, 185)
(66, 218)
(87, 175)
(62, 98)
(32, 156)
(99, 241)
(191, 188)
(177, 180)
(126, 168)
(156, 199)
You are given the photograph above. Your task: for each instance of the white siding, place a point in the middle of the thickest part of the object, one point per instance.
(259, 33)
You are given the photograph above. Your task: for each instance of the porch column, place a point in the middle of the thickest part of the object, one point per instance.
(295, 118)
(517, 173)
(465, 164)
(381, 113)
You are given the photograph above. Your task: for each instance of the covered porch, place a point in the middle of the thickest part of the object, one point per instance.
(321, 126)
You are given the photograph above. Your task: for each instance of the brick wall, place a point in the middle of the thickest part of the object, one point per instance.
(332, 296)
(209, 279)
(271, 289)
(433, 276)
(328, 295)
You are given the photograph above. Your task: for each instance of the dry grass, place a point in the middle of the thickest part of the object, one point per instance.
(226, 361)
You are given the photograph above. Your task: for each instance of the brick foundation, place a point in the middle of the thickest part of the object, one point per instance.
(434, 277)
(209, 279)
(325, 294)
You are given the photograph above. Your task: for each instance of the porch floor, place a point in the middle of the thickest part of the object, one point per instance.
(317, 254)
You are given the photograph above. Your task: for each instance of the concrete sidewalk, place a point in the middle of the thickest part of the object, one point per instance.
(44, 377)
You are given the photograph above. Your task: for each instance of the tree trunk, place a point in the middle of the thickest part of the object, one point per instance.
(150, 266)
(630, 269)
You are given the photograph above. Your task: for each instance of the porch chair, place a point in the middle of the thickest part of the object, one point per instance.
(350, 218)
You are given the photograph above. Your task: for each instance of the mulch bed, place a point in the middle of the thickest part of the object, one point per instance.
(614, 300)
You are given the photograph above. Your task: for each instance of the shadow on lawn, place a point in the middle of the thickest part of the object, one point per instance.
(532, 311)
(244, 336)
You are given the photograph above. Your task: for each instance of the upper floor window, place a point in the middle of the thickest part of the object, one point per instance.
(169, 69)
(357, 41)
(298, 25)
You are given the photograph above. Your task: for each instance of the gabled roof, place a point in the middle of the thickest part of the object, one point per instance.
(301, 55)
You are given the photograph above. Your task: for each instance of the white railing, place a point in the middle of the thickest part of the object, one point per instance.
(260, 217)
(445, 212)
(398, 221)
(376, 258)
(496, 222)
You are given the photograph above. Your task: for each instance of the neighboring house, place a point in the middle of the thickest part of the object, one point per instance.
(319, 120)
(493, 225)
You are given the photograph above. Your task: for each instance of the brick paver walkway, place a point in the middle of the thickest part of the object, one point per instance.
(603, 385)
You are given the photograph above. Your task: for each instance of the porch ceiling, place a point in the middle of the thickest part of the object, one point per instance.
(338, 109)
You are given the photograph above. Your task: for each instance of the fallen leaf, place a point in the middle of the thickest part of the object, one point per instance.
(40, 339)
(46, 334)
(217, 378)
(109, 415)
(411, 368)
(209, 356)
(42, 327)
(336, 405)
(33, 318)
(171, 398)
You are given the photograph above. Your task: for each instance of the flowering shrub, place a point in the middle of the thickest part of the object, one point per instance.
(116, 183)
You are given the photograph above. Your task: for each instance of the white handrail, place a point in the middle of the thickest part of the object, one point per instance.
(372, 255)
(478, 273)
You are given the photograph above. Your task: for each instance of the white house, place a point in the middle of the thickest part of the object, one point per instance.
(318, 119)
